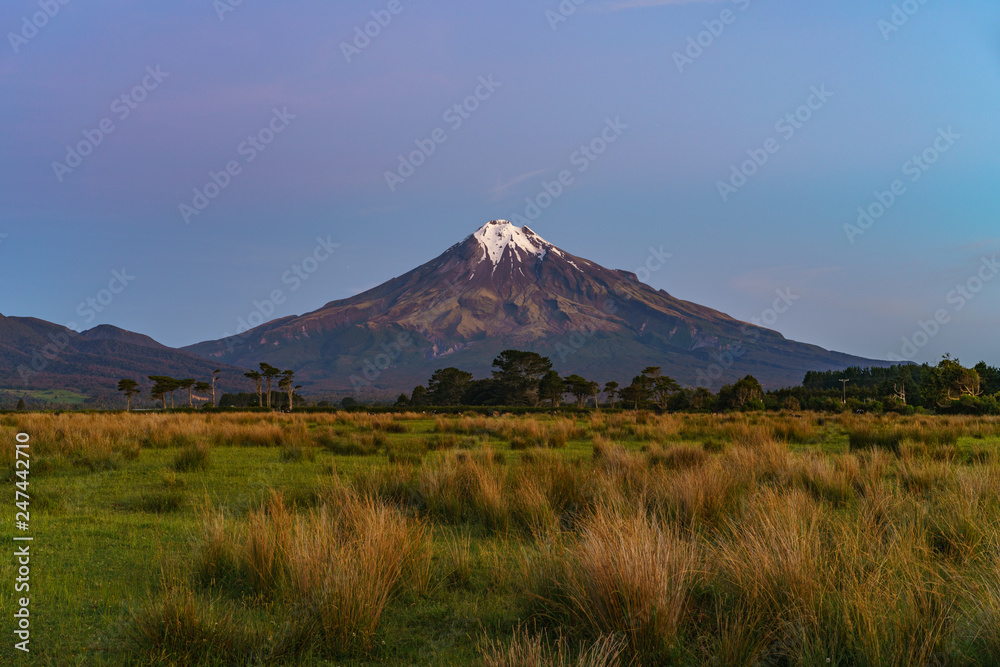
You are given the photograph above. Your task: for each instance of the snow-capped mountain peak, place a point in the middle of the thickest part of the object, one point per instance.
(498, 235)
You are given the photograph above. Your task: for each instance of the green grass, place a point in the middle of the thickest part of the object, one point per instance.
(55, 396)
(114, 544)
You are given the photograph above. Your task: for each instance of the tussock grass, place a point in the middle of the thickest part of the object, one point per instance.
(179, 627)
(159, 502)
(621, 538)
(526, 649)
(192, 457)
(336, 567)
(624, 575)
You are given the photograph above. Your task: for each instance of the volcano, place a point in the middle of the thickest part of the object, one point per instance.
(506, 287)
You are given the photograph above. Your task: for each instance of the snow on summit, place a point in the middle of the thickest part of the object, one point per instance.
(498, 235)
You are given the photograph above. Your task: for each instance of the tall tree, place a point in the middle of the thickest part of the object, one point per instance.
(746, 390)
(701, 398)
(163, 385)
(989, 378)
(204, 387)
(270, 373)
(188, 384)
(215, 376)
(419, 396)
(639, 392)
(518, 374)
(130, 388)
(551, 388)
(581, 388)
(287, 383)
(258, 383)
(611, 389)
(447, 386)
(662, 386)
(950, 381)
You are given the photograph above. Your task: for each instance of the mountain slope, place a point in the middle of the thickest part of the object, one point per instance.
(40, 355)
(506, 287)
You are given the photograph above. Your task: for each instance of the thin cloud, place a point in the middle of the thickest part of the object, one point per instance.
(502, 187)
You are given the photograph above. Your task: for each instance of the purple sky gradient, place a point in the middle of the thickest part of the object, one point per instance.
(324, 176)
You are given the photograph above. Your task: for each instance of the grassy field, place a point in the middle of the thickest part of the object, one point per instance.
(54, 396)
(609, 539)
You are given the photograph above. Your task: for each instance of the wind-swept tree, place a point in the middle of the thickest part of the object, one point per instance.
(188, 384)
(163, 385)
(130, 388)
(258, 383)
(581, 388)
(611, 389)
(639, 392)
(662, 386)
(215, 376)
(270, 373)
(287, 383)
(203, 387)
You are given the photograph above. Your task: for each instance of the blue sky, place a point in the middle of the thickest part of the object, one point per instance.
(199, 81)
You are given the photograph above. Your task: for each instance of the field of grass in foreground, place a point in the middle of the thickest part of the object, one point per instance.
(247, 539)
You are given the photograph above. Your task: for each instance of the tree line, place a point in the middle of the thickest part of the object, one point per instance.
(522, 378)
(164, 386)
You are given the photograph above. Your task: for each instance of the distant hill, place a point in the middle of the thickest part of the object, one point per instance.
(40, 359)
(506, 287)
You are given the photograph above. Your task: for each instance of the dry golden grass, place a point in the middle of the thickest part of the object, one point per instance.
(337, 566)
(536, 650)
(761, 547)
(622, 575)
